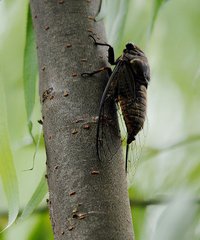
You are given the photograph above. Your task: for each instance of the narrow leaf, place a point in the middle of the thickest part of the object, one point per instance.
(157, 4)
(30, 70)
(7, 168)
(119, 24)
(37, 144)
(36, 198)
(153, 152)
(175, 222)
(101, 11)
(111, 11)
(42, 229)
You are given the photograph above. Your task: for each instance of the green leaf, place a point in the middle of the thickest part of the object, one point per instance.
(138, 216)
(157, 4)
(37, 145)
(36, 198)
(7, 168)
(118, 25)
(102, 11)
(176, 220)
(153, 152)
(30, 70)
(42, 229)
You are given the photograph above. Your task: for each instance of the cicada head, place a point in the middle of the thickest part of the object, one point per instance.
(130, 46)
(133, 49)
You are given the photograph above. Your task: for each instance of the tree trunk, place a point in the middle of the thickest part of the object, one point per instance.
(88, 198)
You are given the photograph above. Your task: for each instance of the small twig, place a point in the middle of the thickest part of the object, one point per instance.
(156, 201)
(137, 203)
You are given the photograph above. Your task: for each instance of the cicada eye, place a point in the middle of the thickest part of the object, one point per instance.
(130, 46)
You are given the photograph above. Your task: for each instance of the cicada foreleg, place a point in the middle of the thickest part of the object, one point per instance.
(111, 54)
(111, 59)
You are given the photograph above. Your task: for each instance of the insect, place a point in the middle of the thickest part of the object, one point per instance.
(127, 84)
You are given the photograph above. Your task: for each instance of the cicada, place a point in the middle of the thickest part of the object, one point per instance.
(127, 85)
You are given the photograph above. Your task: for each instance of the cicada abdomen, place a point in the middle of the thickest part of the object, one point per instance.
(134, 111)
(134, 114)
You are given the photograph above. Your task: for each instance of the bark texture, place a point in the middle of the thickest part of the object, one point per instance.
(88, 199)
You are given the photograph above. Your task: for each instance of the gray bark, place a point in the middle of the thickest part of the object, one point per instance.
(88, 198)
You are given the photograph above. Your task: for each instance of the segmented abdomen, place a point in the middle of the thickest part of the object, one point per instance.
(134, 111)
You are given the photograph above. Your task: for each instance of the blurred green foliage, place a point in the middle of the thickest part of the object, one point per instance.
(169, 167)
(42, 229)
(7, 170)
(30, 70)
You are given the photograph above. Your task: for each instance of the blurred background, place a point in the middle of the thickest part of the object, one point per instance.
(164, 191)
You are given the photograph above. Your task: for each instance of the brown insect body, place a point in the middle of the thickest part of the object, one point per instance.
(133, 78)
(127, 84)
(134, 112)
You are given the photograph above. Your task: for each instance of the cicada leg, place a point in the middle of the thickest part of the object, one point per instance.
(89, 74)
(111, 54)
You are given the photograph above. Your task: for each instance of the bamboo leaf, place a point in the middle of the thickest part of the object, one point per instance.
(7, 168)
(36, 199)
(30, 70)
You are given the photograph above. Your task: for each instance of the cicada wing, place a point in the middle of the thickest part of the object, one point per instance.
(135, 149)
(131, 115)
(108, 139)
(121, 84)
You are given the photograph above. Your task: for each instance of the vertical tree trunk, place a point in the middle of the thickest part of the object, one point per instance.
(88, 198)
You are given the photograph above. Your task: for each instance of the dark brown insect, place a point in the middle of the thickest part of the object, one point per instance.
(127, 84)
